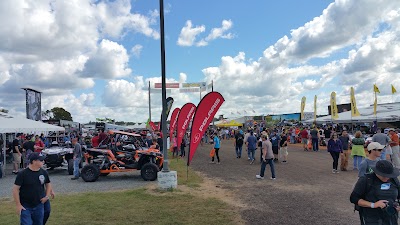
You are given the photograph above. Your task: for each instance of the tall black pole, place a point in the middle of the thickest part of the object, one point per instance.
(212, 85)
(163, 89)
(149, 103)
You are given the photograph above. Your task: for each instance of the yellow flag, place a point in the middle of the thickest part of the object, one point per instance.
(376, 89)
(303, 105)
(315, 108)
(334, 110)
(354, 110)
(393, 89)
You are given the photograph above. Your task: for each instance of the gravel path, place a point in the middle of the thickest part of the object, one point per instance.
(62, 183)
(305, 191)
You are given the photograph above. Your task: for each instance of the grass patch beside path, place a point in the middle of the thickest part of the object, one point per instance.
(130, 207)
(179, 165)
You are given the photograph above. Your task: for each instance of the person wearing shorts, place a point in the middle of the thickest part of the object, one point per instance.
(304, 138)
(16, 149)
(275, 139)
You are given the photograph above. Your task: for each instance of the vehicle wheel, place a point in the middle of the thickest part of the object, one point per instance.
(90, 173)
(104, 174)
(70, 166)
(149, 171)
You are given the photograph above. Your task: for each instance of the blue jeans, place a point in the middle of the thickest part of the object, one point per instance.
(271, 165)
(251, 153)
(47, 210)
(292, 139)
(357, 161)
(76, 167)
(315, 144)
(239, 150)
(32, 216)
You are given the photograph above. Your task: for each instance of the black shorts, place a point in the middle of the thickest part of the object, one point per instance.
(275, 149)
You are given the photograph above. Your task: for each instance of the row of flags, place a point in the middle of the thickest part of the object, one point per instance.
(238, 112)
(334, 109)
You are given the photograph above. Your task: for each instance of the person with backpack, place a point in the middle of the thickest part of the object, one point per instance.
(374, 150)
(239, 143)
(376, 195)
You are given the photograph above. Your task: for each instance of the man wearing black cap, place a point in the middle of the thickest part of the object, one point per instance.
(31, 191)
(376, 195)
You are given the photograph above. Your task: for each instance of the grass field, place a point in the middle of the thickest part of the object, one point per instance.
(140, 206)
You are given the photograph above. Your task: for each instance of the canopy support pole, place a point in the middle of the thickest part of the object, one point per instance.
(4, 156)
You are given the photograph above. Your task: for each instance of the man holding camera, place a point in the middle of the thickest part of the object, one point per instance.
(376, 195)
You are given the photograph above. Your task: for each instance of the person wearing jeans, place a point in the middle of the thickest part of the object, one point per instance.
(217, 145)
(268, 158)
(77, 158)
(239, 144)
(357, 150)
(31, 191)
(335, 147)
(314, 139)
(251, 146)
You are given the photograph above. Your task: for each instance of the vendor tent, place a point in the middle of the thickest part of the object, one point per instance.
(385, 113)
(231, 123)
(11, 124)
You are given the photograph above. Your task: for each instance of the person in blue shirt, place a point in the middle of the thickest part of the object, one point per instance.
(275, 139)
(217, 145)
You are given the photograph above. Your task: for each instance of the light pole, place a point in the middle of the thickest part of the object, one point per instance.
(163, 89)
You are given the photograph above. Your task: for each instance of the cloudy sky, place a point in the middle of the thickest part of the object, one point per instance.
(95, 57)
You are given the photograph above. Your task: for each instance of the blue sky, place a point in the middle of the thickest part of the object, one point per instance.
(95, 58)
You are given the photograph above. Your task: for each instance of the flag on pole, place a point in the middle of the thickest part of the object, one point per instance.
(315, 108)
(303, 105)
(376, 89)
(393, 89)
(334, 110)
(253, 111)
(354, 110)
(238, 113)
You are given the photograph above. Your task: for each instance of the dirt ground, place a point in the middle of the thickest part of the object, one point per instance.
(305, 191)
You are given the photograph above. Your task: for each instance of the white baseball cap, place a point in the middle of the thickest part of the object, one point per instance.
(375, 145)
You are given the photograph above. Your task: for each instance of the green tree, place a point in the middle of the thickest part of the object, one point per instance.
(57, 113)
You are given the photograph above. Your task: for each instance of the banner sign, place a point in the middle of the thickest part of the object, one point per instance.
(152, 126)
(33, 104)
(170, 101)
(334, 109)
(173, 121)
(303, 105)
(199, 84)
(189, 90)
(159, 91)
(205, 112)
(184, 119)
(354, 110)
(167, 85)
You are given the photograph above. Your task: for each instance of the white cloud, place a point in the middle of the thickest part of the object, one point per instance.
(218, 33)
(188, 34)
(137, 50)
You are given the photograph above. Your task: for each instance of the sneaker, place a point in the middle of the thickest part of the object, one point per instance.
(259, 177)
(212, 162)
(273, 178)
(74, 178)
(333, 171)
(337, 171)
(252, 161)
(284, 161)
(218, 163)
(248, 158)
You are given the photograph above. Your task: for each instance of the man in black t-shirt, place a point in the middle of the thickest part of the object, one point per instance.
(239, 137)
(31, 191)
(17, 153)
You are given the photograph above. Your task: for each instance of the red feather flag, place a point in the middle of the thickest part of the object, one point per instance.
(173, 121)
(184, 119)
(203, 116)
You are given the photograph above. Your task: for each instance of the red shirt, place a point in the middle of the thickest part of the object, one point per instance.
(39, 143)
(394, 138)
(95, 141)
(304, 134)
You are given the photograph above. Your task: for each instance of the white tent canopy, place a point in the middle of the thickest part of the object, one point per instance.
(385, 113)
(10, 124)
